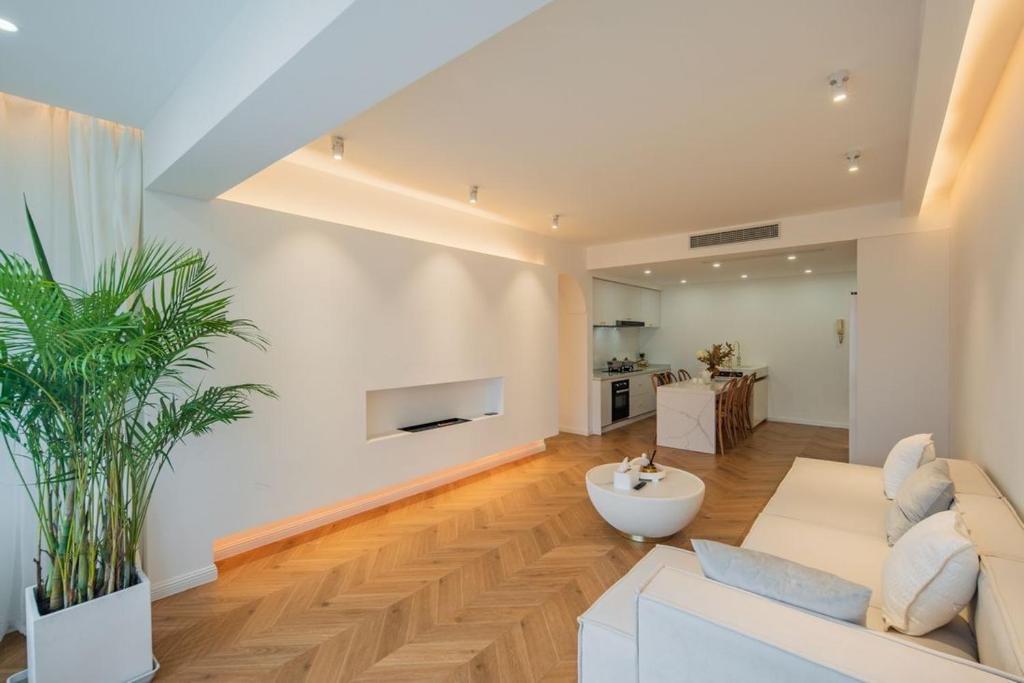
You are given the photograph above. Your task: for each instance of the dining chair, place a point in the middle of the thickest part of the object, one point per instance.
(724, 411)
(684, 376)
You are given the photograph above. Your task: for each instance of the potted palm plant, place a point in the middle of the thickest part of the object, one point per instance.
(97, 386)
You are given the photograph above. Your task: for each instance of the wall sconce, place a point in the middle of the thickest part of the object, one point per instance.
(840, 329)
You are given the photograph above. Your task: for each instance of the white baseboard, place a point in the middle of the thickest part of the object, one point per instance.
(183, 582)
(810, 423)
(292, 526)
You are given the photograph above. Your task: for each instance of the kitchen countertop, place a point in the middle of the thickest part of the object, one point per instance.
(604, 375)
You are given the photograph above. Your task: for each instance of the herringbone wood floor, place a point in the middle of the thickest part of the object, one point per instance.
(480, 581)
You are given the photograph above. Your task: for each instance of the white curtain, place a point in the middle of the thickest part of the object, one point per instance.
(82, 178)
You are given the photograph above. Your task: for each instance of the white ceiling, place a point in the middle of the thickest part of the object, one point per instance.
(637, 119)
(116, 59)
(821, 259)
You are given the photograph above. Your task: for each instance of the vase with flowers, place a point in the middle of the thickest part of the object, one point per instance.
(716, 356)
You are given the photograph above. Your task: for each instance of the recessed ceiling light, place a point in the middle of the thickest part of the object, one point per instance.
(744, 276)
(808, 271)
(554, 222)
(716, 264)
(473, 190)
(337, 147)
(837, 82)
(682, 282)
(791, 257)
(8, 26)
(647, 272)
(853, 161)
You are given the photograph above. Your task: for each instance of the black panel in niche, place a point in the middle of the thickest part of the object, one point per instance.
(437, 424)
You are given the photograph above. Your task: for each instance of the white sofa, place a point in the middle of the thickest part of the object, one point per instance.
(663, 621)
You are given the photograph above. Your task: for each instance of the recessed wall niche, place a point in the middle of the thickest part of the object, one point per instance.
(389, 410)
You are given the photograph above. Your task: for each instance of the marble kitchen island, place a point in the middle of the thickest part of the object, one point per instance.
(686, 415)
(686, 410)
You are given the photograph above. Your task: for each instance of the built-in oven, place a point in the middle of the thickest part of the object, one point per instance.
(620, 399)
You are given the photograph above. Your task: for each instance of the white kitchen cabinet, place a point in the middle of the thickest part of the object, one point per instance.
(608, 302)
(614, 301)
(650, 307)
(641, 395)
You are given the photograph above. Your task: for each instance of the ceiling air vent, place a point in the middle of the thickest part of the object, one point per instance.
(712, 239)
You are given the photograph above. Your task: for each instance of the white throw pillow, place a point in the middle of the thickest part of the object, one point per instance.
(906, 456)
(930, 575)
(926, 491)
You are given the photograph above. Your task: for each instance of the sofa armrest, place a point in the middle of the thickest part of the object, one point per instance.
(692, 628)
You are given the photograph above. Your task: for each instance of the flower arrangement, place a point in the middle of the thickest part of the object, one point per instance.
(716, 356)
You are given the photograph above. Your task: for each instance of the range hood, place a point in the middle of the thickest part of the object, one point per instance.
(626, 323)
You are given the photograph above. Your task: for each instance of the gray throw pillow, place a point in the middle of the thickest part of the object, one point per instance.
(927, 491)
(779, 579)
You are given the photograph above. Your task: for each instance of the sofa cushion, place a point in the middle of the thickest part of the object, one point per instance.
(783, 580)
(607, 635)
(907, 455)
(999, 614)
(832, 494)
(925, 492)
(930, 575)
(852, 556)
(992, 524)
(969, 477)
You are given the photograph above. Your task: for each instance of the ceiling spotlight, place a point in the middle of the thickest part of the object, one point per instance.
(808, 271)
(8, 26)
(647, 272)
(791, 257)
(853, 161)
(337, 147)
(472, 193)
(837, 82)
(744, 276)
(716, 264)
(554, 222)
(682, 282)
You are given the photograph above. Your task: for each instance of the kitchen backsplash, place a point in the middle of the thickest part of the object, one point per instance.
(619, 342)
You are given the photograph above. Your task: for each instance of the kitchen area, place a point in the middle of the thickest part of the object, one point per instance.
(783, 312)
(626, 317)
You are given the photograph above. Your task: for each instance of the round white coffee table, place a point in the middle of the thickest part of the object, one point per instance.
(655, 512)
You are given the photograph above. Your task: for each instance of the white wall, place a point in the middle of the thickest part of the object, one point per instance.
(785, 323)
(347, 310)
(902, 359)
(988, 290)
(573, 361)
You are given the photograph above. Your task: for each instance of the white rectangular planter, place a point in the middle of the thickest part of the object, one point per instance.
(106, 640)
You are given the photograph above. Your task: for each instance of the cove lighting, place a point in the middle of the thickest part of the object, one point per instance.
(8, 26)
